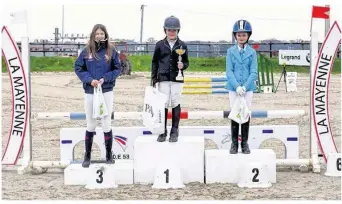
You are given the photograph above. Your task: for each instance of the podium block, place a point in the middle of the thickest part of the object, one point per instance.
(101, 176)
(188, 152)
(254, 175)
(75, 174)
(223, 167)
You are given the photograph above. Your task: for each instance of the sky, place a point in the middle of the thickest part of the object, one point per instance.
(203, 21)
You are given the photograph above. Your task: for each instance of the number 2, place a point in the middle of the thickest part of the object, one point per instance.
(256, 171)
(338, 164)
(100, 176)
(167, 175)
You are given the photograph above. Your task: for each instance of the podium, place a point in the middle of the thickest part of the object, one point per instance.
(75, 174)
(188, 153)
(223, 167)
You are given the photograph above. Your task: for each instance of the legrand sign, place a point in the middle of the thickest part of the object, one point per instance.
(294, 57)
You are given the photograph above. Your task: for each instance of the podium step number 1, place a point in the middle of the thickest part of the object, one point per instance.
(168, 175)
(101, 176)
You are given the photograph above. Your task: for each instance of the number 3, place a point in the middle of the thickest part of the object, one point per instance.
(100, 176)
(256, 171)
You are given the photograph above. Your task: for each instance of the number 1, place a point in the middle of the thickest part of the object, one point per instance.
(167, 175)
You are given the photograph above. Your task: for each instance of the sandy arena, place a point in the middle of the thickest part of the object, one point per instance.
(62, 92)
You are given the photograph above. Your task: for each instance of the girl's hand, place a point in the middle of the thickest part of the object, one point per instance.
(94, 83)
(180, 65)
(101, 81)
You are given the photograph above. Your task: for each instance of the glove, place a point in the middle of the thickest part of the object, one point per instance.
(154, 81)
(241, 90)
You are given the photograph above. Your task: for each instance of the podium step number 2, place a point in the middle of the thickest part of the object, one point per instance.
(168, 176)
(254, 175)
(101, 176)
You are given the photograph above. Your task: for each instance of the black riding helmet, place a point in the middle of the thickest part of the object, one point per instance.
(172, 22)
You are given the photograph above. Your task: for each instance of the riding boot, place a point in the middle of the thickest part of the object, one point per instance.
(235, 134)
(175, 123)
(244, 137)
(162, 137)
(108, 136)
(88, 145)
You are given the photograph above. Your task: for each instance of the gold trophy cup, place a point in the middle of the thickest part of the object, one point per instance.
(180, 52)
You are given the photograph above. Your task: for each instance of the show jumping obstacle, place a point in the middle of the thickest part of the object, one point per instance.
(19, 70)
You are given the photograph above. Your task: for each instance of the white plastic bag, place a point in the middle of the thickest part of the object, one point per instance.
(240, 113)
(99, 104)
(154, 110)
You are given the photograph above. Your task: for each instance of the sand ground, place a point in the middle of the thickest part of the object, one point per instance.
(62, 92)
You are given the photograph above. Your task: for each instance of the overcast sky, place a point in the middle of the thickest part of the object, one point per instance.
(199, 22)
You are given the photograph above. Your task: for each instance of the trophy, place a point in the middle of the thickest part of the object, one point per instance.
(180, 52)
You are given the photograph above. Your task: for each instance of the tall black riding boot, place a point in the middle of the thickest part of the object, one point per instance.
(234, 129)
(88, 145)
(162, 137)
(244, 137)
(175, 123)
(108, 137)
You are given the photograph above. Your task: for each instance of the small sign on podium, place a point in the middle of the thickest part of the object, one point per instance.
(101, 176)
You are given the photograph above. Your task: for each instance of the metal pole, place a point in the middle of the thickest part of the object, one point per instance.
(327, 22)
(142, 23)
(62, 23)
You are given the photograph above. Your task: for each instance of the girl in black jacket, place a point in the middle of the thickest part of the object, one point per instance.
(165, 69)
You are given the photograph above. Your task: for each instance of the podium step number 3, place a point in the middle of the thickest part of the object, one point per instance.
(254, 175)
(101, 176)
(168, 176)
(334, 165)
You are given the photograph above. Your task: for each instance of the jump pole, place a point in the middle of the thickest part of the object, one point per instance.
(185, 115)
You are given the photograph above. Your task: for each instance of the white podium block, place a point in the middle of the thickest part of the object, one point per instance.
(168, 175)
(223, 167)
(254, 175)
(75, 174)
(333, 165)
(101, 176)
(188, 151)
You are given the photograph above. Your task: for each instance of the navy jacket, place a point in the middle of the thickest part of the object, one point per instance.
(88, 68)
(164, 61)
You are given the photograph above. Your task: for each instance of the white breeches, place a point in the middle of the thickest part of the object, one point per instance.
(173, 91)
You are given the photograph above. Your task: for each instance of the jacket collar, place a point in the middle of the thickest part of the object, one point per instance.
(247, 52)
(177, 44)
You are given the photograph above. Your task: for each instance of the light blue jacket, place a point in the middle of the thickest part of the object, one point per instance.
(241, 70)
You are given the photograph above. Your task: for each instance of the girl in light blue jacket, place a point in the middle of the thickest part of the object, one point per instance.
(241, 73)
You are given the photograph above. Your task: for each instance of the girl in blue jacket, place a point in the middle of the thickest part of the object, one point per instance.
(241, 73)
(98, 65)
